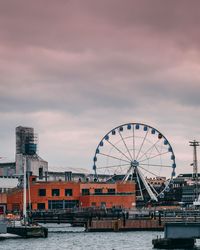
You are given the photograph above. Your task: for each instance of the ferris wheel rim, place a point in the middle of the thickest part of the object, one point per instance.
(134, 123)
(131, 158)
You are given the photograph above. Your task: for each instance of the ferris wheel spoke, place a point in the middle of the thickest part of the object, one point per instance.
(114, 166)
(119, 150)
(114, 157)
(142, 144)
(149, 171)
(125, 145)
(149, 158)
(140, 158)
(133, 143)
(156, 165)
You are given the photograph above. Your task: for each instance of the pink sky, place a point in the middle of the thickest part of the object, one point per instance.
(73, 70)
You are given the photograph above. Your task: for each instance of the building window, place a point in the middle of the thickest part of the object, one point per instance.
(15, 207)
(2, 209)
(40, 173)
(85, 191)
(56, 204)
(41, 206)
(103, 204)
(55, 192)
(42, 192)
(98, 191)
(111, 191)
(68, 192)
(62, 204)
(93, 204)
(71, 203)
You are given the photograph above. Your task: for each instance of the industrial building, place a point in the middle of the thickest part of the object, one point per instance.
(26, 150)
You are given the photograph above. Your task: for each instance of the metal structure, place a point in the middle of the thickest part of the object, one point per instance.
(136, 152)
(195, 144)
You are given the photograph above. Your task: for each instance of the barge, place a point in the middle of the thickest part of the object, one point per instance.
(109, 225)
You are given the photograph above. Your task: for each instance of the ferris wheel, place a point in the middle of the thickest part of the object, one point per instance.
(136, 152)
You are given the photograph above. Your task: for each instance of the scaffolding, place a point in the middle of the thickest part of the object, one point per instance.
(26, 141)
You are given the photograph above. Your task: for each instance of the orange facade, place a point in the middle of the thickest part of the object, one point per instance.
(65, 194)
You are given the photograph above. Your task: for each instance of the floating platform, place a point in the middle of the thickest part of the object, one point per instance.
(29, 231)
(178, 235)
(108, 225)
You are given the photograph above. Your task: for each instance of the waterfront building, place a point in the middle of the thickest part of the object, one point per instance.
(68, 194)
(188, 189)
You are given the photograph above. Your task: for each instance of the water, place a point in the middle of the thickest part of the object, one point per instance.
(69, 238)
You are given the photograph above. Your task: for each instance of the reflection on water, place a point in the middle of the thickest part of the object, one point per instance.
(74, 238)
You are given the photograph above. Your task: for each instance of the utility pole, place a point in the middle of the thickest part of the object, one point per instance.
(195, 144)
(24, 189)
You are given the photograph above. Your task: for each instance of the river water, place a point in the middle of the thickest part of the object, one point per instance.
(65, 237)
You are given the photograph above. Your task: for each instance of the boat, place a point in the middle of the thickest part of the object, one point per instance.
(26, 228)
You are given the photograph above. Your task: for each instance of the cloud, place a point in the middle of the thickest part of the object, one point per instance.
(75, 69)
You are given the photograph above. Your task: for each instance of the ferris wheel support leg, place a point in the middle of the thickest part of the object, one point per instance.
(151, 194)
(138, 180)
(153, 189)
(127, 175)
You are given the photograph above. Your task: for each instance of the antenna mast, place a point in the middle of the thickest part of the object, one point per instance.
(195, 144)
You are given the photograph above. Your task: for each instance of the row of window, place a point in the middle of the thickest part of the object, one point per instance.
(55, 192)
(61, 204)
(69, 192)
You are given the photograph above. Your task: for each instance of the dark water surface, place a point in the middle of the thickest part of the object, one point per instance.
(65, 237)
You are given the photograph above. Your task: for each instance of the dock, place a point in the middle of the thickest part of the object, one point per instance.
(108, 225)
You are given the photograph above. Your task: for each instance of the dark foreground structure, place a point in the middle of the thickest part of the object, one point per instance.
(178, 235)
(173, 243)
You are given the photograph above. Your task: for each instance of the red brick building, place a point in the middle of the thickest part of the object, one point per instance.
(67, 194)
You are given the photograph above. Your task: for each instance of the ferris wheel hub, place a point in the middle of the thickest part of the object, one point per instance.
(134, 164)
